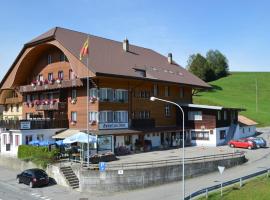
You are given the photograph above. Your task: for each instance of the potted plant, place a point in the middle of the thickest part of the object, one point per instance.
(51, 82)
(93, 99)
(93, 122)
(73, 101)
(33, 83)
(39, 83)
(73, 122)
(46, 82)
(58, 80)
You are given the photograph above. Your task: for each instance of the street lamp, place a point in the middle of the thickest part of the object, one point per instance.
(183, 147)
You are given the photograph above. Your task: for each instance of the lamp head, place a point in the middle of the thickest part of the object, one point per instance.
(152, 98)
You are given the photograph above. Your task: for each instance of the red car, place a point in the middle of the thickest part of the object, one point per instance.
(242, 143)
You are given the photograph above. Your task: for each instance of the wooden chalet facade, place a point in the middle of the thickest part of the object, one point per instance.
(51, 81)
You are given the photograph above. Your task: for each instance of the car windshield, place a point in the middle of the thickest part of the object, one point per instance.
(40, 173)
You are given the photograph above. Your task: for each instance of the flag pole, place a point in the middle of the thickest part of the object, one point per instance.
(87, 104)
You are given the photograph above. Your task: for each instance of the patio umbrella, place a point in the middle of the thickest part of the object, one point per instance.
(34, 142)
(80, 137)
(46, 142)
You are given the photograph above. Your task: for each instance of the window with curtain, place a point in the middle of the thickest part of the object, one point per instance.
(121, 95)
(106, 94)
(106, 116)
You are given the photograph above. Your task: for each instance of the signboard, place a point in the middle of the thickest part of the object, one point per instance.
(113, 125)
(120, 172)
(102, 166)
(25, 125)
(221, 169)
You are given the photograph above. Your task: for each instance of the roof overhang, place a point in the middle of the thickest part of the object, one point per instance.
(210, 107)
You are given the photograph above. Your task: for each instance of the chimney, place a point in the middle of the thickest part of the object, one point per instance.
(126, 45)
(170, 60)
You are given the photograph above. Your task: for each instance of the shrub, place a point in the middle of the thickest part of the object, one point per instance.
(38, 155)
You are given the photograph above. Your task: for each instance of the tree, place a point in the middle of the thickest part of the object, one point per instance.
(199, 66)
(218, 62)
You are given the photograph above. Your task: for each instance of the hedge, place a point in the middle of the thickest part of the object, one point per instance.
(38, 155)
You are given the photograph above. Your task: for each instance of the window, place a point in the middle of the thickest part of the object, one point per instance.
(144, 114)
(71, 75)
(93, 92)
(195, 115)
(155, 90)
(61, 75)
(200, 135)
(73, 94)
(167, 91)
(49, 59)
(222, 134)
(167, 110)
(248, 129)
(141, 72)
(225, 115)
(127, 139)
(121, 116)
(50, 76)
(106, 94)
(28, 139)
(63, 57)
(17, 140)
(219, 115)
(74, 116)
(106, 116)
(40, 77)
(17, 108)
(121, 95)
(40, 137)
(243, 130)
(181, 92)
(11, 108)
(93, 116)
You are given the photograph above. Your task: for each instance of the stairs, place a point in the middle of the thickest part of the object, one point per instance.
(231, 133)
(71, 177)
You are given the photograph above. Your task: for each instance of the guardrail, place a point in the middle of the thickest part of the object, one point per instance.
(240, 180)
(158, 163)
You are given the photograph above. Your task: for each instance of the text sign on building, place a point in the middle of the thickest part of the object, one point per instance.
(113, 125)
(25, 125)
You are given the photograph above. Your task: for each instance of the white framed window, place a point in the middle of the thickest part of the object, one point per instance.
(200, 135)
(93, 116)
(49, 59)
(181, 92)
(225, 115)
(40, 77)
(155, 90)
(121, 116)
(167, 110)
(121, 95)
(106, 94)
(194, 115)
(50, 76)
(74, 116)
(61, 75)
(106, 116)
(219, 115)
(73, 94)
(167, 91)
(93, 92)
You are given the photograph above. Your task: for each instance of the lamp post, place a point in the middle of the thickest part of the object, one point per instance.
(183, 143)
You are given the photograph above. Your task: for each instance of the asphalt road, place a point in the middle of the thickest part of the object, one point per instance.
(258, 159)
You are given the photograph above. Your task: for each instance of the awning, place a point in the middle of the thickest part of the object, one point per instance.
(66, 133)
(81, 138)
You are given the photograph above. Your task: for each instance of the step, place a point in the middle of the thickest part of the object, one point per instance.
(73, 178)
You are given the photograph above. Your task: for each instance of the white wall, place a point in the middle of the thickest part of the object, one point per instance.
(211, 142)
(119, 141)
(154, 137)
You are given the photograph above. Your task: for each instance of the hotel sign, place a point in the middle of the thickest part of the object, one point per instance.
(25, 125)
(113, 125)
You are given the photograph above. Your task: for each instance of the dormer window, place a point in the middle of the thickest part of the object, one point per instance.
(141, 72)
(49, 59)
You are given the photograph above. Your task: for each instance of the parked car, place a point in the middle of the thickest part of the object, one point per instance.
(259, 141)
(33, 177)
(242, 143)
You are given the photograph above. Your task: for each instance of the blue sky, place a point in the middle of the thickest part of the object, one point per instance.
(238, 28)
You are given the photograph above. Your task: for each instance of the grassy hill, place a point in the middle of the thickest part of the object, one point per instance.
(239, 90)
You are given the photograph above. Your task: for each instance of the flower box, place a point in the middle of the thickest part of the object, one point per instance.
(73, 122)
(92, 99)
(73, 101)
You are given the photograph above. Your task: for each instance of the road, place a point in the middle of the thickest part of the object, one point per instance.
(10, 190)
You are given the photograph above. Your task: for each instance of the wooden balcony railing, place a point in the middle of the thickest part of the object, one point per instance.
(34, 124)
(13, 100)
(55, 85)
(55, 106)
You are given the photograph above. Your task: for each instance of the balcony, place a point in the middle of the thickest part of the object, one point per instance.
(143, 123)
(13, 100)
(34, 124)
(55, 106)
(51, 86)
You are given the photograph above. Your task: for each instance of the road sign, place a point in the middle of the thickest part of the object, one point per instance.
(102, 166)
(221, 169)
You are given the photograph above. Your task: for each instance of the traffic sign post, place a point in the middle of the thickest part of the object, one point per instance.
(102, 166)
(221, 170)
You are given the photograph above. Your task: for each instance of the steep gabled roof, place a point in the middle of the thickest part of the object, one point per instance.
(107, 57)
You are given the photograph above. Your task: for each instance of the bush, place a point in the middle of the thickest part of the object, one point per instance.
(38, 155)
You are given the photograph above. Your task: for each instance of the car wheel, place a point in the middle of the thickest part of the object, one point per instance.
(31, 184)
(231, 145)
(18, 181)
(249, 147)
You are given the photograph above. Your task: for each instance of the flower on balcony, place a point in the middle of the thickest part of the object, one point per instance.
(93, 122)
(93, 99)
(73, 101)
(46, 82)
(39, 83)
(37, 102)
(73, 122)
(33, 83)
(51, 82)
(58, 80)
